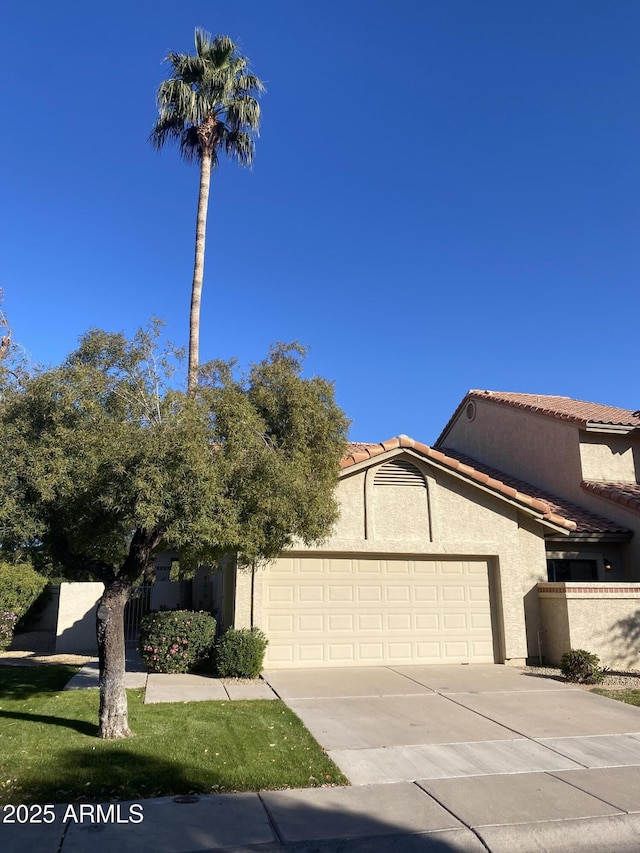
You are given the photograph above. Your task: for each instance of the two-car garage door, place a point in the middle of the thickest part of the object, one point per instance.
(365, 610)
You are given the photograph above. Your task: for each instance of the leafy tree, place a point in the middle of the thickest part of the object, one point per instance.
(207, 106)
(103, 463)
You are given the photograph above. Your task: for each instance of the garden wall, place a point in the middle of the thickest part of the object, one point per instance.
(76, 632)
(599, 617)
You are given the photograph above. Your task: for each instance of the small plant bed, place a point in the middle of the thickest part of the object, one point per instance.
(49, 752)
(612, 680)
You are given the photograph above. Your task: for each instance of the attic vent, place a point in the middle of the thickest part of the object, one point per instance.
(399, 473)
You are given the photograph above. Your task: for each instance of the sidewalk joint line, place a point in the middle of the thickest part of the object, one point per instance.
(453, 814)
(271, 820)
(62, 837)
(520, 734)
(588, 793)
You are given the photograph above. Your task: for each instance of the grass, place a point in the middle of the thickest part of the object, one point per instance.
(49, 751)
(631, 697)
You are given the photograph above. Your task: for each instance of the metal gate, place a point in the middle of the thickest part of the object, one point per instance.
(139, 605)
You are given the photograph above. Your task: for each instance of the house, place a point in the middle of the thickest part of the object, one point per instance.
(514, 538)
(585, 452)
(436, 558)
(588, 454)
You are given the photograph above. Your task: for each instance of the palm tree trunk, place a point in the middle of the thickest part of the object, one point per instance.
(198, 272)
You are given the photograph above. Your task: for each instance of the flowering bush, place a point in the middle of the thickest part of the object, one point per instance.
(239, 653)
(176, 640)
(8, 620)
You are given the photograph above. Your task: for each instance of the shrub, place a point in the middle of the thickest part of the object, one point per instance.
(7, 624)
(581, 667)
(176, 640)
(239, 653)
(20, 587)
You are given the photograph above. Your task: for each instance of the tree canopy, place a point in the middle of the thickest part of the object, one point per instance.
(102, 446)
(103, 462)
(209, 104)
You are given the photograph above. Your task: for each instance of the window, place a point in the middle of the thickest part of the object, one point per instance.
(572, 571)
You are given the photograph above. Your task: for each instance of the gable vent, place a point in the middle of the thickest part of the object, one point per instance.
(399, 473)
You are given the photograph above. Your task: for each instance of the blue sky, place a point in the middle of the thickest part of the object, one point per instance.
(445, 195)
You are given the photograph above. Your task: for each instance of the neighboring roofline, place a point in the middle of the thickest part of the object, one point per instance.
(496, 398)
(618, 429)
(454, 417)
(533, 506)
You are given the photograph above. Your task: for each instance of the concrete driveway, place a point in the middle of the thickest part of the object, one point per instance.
(410, 723)
(430, 724)
(507, 753)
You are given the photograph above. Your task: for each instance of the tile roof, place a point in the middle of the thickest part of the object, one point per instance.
(585, 521)
(627, 494)
(554, 510)
(564, 408)
(360, 446)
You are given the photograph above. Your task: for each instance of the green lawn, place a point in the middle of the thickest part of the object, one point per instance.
(49, 752)
(631, 697)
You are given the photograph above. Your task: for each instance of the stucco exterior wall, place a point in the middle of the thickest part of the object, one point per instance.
(350, 497)
(556, 456)
(536, 448)
(604, 619)
(247, 609)
(77, 617)
(166, 595)
(399, 512)
(607, 457)
(451, 518)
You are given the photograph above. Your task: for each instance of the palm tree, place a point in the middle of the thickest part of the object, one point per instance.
(208, 105)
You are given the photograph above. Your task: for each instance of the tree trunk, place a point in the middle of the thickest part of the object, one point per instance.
(113, 716)
(198, 272)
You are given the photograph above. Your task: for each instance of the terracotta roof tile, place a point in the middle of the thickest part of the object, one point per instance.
(627, 494)
(357, 446)
(555, 510)
(552, 506)
(564, 408)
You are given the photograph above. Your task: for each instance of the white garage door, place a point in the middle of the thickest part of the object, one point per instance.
(342, 611)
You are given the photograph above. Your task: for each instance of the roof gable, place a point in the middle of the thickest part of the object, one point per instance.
(554, 511)
(596, 416)
(580, 412)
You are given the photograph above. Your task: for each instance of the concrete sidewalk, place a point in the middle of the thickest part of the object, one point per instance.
(174, 688)
(441, 759)
(498, 814)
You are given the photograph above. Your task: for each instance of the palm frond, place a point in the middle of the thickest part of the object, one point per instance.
(213, 84)
(190, 144)
(239, 146)
(250, 83)
(166, 129)
(221, 50)
(243, 112)
(202, 40)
